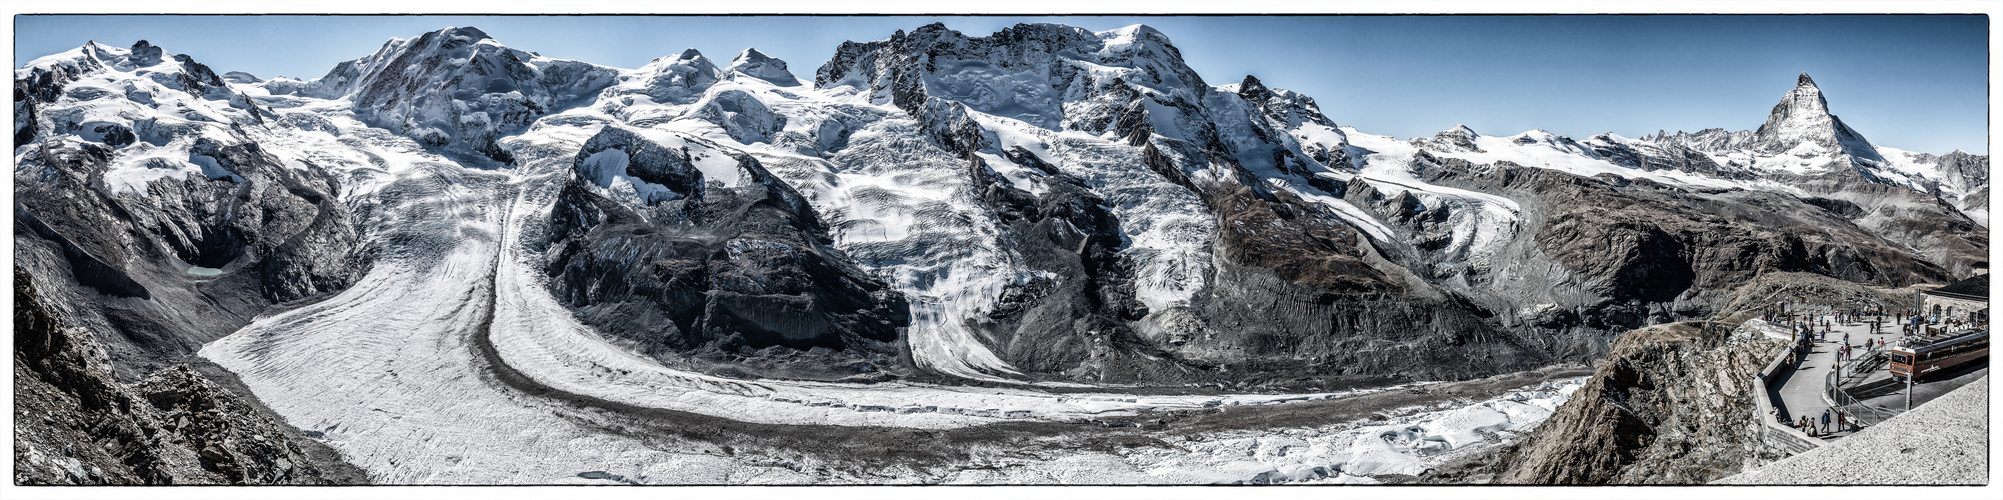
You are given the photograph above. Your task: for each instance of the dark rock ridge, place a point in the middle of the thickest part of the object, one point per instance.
(74, 423)
(277, 234)
(739, 279)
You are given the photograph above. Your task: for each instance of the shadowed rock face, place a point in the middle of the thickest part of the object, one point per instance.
(278, 234)
(76, 424)
(720, 274)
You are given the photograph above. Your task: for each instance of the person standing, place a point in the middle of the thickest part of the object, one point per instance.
(1825, 420)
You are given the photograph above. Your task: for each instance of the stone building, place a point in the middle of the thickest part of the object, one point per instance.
(1966, 300)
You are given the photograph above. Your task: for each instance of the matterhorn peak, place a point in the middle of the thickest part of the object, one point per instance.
(1803, 116)
(755, 64)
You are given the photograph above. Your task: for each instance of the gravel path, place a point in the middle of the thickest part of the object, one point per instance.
(1944, 442)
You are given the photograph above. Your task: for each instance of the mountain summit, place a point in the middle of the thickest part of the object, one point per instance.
(756, 64)
(1803, 117)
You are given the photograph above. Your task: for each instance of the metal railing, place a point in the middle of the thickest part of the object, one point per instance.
(1858, 366)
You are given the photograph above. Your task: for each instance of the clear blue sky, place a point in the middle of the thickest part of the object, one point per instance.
(1912, 82)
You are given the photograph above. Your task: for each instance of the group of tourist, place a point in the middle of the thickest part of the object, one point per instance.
(1822, 427)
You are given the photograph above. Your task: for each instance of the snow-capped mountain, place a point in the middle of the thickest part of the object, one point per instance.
(455, 87)
(452, 220)
(1802, 117)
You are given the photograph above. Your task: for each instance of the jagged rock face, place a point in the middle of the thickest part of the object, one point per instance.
(1292, 111)
(1672, 404)
(76, 424)
(1803, 117)
(1643, 252)
(717, 270)
(1668, 154)
(1068, 235)
(457, 87)
(1961, 171)
(1710, 140)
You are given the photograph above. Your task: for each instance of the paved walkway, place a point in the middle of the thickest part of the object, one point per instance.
(1799, 391)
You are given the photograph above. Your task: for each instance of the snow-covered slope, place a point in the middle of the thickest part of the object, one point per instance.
(455, 86)
(154, 107)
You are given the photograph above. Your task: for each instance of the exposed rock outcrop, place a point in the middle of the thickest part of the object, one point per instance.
(1672, 404)
(76, 424)
(276, 234)
(736, 273)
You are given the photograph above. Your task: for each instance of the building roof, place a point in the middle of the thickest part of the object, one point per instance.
(1972, 288)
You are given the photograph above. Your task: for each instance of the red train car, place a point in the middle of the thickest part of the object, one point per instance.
(1938, 355)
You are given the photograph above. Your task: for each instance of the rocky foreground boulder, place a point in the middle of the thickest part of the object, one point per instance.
(1673, 404)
